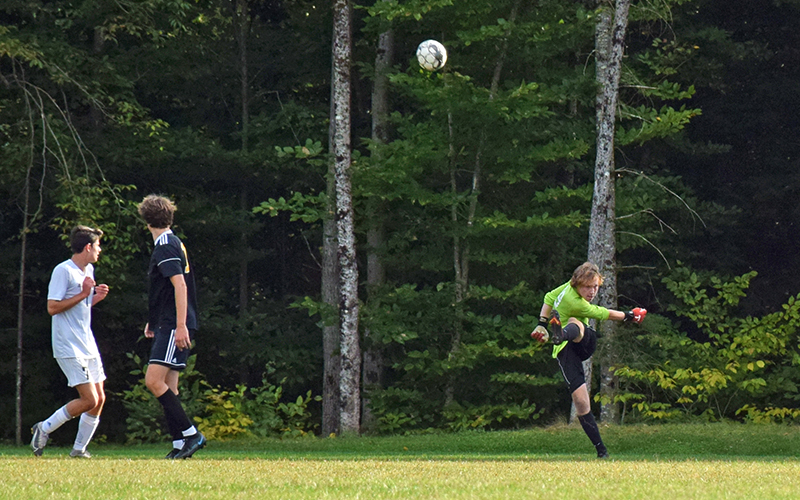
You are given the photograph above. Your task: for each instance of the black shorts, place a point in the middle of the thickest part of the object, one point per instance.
(163, 352)
(571, 358)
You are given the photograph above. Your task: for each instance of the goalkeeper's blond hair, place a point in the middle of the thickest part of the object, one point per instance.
(585, 275)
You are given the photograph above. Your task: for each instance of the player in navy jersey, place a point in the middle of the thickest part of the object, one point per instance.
(171, 323)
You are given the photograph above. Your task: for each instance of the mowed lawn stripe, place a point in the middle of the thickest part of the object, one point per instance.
(115, 478)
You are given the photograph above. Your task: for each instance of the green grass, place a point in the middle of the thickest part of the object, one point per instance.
(672, 462)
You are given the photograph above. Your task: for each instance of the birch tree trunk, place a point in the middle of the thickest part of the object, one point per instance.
(376, 237)
(330, 297)
(350, 373)
(609, 45)
(332, 361)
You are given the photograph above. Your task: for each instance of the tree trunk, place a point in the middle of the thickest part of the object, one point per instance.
(609, 45)
(458, 267)
(242, 22)
(21, 300)
(350, 373)
(330, 329)
(332, 361)
(376, 237)
(27, 220)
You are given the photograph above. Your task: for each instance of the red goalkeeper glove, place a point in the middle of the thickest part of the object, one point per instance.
(636, 315)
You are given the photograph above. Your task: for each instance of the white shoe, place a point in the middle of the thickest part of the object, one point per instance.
(80, 454)
(39, 440)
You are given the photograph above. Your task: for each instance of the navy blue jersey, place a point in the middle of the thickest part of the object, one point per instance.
(169, 259)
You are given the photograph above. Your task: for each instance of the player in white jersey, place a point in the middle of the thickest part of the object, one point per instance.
(71, 294)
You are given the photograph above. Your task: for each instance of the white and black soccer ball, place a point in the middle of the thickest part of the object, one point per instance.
(431, 55)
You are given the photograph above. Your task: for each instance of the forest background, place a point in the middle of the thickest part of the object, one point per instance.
(224, 106)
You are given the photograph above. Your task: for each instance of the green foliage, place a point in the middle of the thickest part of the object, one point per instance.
(460, 418)
(768, 415)
(255, 411)
(730, 367)
(107, 207)
(225, 416)
(13, 47)
(218, 413)
(413, 328)
(307, 208)
(654, 123)
(667, 56)
(410, 11)
(398, 410)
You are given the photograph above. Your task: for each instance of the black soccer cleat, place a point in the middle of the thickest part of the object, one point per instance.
(172, 453)
(556, 333)
(191, 446)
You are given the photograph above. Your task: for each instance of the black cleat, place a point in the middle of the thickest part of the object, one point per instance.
(602, 453)
(556, 334)
(191, 445)
(172, 453)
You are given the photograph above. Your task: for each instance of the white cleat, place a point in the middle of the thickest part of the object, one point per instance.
(39, 440)
(80, 454)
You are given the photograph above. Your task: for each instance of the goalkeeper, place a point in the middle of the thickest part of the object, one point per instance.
(576, 342)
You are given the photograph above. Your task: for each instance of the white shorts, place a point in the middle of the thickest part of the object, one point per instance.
(82, 371)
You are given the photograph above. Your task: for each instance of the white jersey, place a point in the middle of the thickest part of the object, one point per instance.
(72, 329)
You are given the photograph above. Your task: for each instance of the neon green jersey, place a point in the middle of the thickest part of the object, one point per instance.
(570, 304)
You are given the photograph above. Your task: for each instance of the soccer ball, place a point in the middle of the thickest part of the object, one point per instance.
(431, 55)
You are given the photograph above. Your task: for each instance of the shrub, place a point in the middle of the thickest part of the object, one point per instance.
(731, 367)
(218, 413)
(145, 419)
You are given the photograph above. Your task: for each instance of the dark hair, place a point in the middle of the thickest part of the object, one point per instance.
(80, 236)
(157, 211)
(585, 274)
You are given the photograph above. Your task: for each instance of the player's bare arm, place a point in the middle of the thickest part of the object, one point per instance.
(182, 340)
(100, 293)
(59, 306)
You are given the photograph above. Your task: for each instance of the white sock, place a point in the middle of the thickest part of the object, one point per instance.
(191, 431)
(56, 420)
(86, 427)
(178, 444)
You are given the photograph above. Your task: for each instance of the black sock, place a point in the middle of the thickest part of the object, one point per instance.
(571, 331)
(177, 421)
(171, 424)
(590, 428)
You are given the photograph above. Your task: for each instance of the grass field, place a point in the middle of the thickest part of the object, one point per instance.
(672, 462)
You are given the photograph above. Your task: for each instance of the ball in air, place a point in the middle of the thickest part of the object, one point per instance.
(431, 55)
